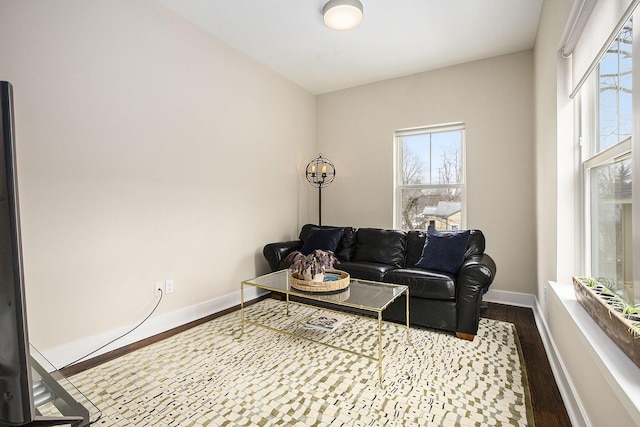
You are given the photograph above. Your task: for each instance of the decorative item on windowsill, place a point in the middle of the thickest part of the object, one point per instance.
(320, 173)
(314, 272)
(617, 317)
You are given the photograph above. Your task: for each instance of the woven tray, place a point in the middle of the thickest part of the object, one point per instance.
(300, 284)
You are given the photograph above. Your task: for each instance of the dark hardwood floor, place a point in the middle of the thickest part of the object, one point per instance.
(548, 407)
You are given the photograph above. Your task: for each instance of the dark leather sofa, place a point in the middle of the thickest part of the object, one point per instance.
(437, 299)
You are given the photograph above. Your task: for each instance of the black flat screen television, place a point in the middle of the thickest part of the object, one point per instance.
(15, 373)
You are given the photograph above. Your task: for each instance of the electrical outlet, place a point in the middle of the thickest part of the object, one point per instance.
(169, 286)
(157, 289)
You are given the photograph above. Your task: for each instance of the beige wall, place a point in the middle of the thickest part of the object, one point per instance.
(493, 98)
(147, 150)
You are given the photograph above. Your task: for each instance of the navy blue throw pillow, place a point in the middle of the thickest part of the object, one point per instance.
(444, 251)
(322, 238)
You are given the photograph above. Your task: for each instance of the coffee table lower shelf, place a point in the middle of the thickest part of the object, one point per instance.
(375, 307)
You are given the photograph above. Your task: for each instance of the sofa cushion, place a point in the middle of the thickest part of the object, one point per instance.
(415, 245)
(417, 238)
(476, 243)
(380, 246)
(345, 245)
(444, 251)
(424, 283)
(322, 238)
(365, 270)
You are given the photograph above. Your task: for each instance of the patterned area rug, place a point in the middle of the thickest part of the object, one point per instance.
(211, 375)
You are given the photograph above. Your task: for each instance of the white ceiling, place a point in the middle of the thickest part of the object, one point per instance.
(396, 38)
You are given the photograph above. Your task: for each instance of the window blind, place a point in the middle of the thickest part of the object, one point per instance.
(593, 35)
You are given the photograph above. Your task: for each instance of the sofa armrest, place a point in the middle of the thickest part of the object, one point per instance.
(475, 277)
(275, 253)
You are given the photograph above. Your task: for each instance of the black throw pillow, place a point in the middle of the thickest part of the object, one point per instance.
(322, 238)
(444, 251)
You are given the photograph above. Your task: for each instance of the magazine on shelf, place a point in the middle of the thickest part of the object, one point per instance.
(325, 321)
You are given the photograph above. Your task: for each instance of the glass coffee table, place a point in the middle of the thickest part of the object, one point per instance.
(367, 296)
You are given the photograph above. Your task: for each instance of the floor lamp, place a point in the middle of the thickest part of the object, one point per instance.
(320, 173)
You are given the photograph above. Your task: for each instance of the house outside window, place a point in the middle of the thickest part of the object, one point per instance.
(429, 178)
(606, 133)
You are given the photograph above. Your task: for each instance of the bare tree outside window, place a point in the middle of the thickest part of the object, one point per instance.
(412, 174)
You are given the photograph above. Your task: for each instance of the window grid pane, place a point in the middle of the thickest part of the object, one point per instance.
(441, 207)
(614, 91)
(611, 246)
(432, 158)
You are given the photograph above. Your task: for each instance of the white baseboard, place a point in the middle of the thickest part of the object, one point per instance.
(69, 353)
(510, 298)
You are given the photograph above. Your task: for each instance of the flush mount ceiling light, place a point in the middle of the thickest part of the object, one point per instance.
(342, 14)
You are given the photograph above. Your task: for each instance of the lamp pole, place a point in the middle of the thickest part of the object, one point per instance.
(319, 205)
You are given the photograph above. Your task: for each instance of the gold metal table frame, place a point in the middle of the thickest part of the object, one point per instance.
(364, 295)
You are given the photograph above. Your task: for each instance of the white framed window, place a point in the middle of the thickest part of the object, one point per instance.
(429, 176)
(606, 129)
